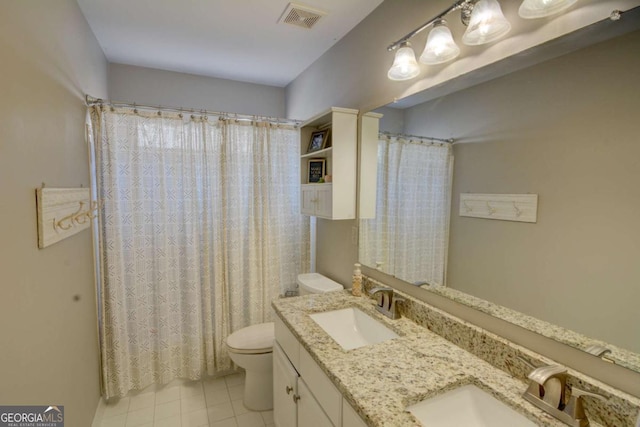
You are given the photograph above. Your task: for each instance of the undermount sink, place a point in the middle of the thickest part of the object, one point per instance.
(351, 328)
(467, 406)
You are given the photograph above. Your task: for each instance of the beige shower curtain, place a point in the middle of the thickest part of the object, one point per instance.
(199, 230)
(409, 236)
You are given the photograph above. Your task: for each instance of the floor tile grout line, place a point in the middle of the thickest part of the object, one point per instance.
(182, 408)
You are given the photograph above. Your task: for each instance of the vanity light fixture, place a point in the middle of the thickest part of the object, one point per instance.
(531, 9)
(405, 66)
(485, 24)
(440, 45)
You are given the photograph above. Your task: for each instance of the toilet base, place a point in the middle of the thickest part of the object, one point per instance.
(258, 390)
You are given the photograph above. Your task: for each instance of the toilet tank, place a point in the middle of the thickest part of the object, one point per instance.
(316, 283)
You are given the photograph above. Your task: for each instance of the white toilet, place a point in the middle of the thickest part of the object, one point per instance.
(251, 348)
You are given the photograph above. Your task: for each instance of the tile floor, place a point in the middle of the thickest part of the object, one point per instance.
(208, 403)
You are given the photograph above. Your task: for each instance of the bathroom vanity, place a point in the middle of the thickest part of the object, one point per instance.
(303, 394)
(317, 382)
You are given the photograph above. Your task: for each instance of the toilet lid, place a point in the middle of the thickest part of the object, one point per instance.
(317, 283)
(252, 339)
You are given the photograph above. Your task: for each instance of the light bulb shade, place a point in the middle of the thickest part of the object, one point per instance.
(531, 9)
(440, 46)
(487, 24)
(404, 66)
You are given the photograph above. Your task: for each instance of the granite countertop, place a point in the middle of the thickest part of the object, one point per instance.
(618, 355)
(380, 380)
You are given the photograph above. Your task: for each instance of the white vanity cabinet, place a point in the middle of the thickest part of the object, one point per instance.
(303, 395)
(335, 200)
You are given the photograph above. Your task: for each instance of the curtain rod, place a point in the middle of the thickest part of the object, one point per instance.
(90, 100)
(430, 138)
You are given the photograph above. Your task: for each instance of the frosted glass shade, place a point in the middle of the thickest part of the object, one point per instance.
(440, 46)
(404, 66)
(487, 24)
(531, 9)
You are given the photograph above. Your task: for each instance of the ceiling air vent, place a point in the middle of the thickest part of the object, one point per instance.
(301, 15)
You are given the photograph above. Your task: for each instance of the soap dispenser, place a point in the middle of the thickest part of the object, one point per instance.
(356, 284)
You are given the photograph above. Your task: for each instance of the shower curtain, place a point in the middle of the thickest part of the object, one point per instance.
(199, 229)
(409, 235)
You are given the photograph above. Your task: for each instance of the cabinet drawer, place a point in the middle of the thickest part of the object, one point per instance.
(327, 395)
(288, 342)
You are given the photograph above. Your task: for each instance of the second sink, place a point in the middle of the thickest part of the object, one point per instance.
(351, 328)
(467, 406)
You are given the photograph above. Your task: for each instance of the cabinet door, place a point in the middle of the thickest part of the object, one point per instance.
(310, 414)
(285, 387)
(308, 199)
(350, 417)
(324, 205)
(324, 391)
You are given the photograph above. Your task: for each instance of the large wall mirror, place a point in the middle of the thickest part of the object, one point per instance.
(568, 130)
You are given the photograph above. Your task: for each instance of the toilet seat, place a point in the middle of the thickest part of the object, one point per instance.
(254, 339)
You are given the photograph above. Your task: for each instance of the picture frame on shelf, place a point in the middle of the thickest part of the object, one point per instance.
(316, 171)
(318, 140)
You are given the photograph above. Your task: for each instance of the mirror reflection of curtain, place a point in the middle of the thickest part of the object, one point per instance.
(200, 229)
(408, 237)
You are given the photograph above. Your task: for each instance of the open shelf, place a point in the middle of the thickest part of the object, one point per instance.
(325, 152)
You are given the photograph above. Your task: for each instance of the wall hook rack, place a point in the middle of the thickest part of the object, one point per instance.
(506, 207)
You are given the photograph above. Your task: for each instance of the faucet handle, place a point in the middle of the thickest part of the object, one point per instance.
(575, 408)
(578, 392)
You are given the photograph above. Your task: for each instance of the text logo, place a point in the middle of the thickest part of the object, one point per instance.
(32, 416)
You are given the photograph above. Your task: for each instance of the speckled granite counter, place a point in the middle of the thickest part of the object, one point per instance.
(622, 357)
(380, 380)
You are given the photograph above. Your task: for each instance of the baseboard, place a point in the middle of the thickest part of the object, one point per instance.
(97, 418)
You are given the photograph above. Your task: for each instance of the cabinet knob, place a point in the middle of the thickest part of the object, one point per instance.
(288, 389)
(296, 398)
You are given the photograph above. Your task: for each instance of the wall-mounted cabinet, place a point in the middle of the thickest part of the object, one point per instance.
(328, 152)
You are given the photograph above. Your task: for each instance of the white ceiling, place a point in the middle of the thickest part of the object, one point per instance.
(232, 39)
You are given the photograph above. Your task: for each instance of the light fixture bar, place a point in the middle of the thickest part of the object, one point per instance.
(457, 5)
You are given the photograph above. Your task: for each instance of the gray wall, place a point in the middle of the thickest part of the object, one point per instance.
(158, 87)
(49, 354)
(566, 130)
(392, 119)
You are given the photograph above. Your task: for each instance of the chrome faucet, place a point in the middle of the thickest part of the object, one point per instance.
(387, 302)
(547, 391)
